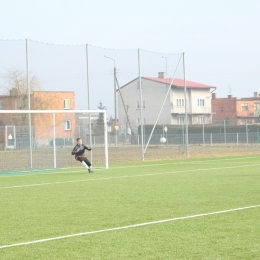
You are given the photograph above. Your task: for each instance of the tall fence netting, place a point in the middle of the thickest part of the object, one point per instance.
(88, 77)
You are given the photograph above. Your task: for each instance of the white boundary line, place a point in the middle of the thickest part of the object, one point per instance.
(127, 176)
(126, 227)
(59, 171)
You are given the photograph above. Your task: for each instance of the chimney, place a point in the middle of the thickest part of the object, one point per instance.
(229, 96)
(14, 92)
(256, 94)
(162, 75)
(214, 96)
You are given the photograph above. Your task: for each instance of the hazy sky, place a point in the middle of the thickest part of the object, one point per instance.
(221, 38)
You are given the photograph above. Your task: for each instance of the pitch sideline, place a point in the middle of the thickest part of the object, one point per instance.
(126, 227)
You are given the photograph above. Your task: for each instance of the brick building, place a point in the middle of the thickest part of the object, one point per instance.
(236, 111)
(42, 125)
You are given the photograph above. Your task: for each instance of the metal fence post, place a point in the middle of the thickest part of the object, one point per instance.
(246, 132)
(203, 133)
(225, 136)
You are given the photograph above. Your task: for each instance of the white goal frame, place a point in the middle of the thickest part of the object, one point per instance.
(53, 112)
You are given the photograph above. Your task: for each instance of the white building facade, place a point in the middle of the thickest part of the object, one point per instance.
(173, 112)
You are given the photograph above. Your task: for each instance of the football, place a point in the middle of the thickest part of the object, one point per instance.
(163, 140)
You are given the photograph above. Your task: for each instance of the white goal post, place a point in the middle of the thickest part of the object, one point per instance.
(53, 120)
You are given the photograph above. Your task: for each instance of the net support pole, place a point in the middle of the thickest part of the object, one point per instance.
(29, 103)
(88, 87)
(186, 108)
(54, 140)
(105, 139)
(141, 106)
(168, 91)
(115, 100)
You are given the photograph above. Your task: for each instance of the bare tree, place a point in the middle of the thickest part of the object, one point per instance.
(17, 79)
(15, 83)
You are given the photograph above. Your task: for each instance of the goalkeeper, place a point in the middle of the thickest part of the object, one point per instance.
(78, 151)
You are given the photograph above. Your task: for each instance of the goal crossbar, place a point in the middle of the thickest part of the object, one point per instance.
(50, 111)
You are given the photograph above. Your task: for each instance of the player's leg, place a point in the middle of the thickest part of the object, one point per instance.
(81, 159)
(88, 164)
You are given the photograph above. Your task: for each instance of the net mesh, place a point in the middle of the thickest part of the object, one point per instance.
(86, 77)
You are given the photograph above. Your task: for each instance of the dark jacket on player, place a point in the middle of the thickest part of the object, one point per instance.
(81, 151)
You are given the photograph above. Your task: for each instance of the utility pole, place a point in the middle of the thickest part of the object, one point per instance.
(115, 101)
(123, 102)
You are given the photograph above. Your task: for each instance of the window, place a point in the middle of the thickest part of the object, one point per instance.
(67, 125)
(138, 104)
(244, 121)
(244, 106)
(201, 102)
(180, 102)
(256, 109)
(66, 103)
(201, 119)
(1, 105)
(181, 120)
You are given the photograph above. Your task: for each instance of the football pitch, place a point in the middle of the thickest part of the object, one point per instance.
(179, 209)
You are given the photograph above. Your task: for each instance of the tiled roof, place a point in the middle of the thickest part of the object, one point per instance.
(179, 83)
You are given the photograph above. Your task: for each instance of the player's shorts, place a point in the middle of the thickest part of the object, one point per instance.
(83, 158)
(80, 158)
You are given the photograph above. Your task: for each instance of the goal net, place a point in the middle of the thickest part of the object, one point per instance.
(44, 139)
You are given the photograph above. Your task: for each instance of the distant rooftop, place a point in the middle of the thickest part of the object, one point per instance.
(179, 83)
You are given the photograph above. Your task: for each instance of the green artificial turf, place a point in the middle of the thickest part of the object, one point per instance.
(51, 204)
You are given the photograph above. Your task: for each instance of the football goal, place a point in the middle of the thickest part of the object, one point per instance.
(44, 139)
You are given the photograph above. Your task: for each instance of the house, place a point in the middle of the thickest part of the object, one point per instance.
(173, 113)
(236, 111)
(42, 124)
